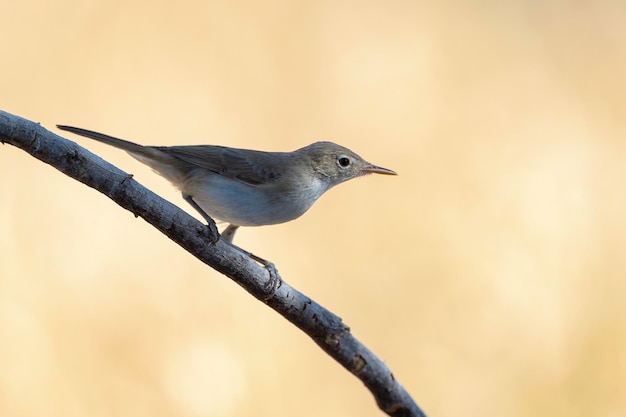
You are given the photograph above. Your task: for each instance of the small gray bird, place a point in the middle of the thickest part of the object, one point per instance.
(245, 187)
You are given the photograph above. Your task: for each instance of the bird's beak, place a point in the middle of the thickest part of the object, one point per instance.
(373, 169)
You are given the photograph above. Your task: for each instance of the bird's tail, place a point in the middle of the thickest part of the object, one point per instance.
(160, 161)
(109, 140)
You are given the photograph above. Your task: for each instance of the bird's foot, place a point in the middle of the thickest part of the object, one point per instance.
(214, 235)
(274, 282)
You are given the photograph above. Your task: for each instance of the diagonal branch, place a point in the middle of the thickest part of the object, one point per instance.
(324, 327)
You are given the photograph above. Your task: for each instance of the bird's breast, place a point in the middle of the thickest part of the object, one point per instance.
(244, 204)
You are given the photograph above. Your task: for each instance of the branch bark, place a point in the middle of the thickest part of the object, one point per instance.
(324, 327)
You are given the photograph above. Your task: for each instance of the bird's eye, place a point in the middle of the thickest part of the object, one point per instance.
(344, 162)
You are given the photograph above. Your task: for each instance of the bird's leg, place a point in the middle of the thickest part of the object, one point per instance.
(229, 233)
(213, 233)
(275, 280)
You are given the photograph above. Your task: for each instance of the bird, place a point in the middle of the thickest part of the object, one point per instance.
(244, 187)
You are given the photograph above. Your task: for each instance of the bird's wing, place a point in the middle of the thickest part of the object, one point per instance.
(247, 166)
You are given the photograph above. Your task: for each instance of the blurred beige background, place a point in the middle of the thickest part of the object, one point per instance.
(490, 275)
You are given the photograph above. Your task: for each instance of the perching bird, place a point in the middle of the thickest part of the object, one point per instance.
(245, 187)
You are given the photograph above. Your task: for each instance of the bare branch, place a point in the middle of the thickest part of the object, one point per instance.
(324, 327)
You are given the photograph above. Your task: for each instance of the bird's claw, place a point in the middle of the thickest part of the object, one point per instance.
(212, 232)
(274, 282)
